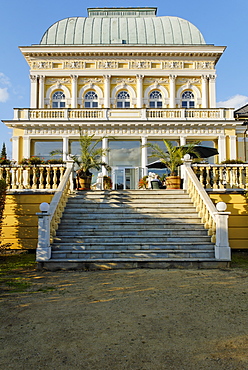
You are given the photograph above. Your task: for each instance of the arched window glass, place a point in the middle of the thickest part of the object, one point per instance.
(123, 99)
(91, 100)
(58, 99)
(155, 99)
(188, 99)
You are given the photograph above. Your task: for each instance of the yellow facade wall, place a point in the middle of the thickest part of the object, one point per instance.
(20, 222)
(237, 204)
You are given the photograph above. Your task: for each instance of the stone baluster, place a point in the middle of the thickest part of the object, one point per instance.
(41, 178)
(215, 178)
(20, 178)
(221, 178)
(13, 178)
(228, 184)
(54, 169)
(208, 177)
(48, 178)
(34, 173)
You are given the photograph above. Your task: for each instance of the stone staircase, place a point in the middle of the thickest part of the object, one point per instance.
(129, 229)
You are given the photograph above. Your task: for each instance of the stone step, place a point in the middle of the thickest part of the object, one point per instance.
(132, 210)
(130, 254)
(131, 205)
(128, 239)
(133, 246)
(134, 198)
(127, 225)
(122, 193)
(143, 220)
(67, 232)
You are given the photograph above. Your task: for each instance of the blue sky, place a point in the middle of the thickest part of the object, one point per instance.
(222, 23)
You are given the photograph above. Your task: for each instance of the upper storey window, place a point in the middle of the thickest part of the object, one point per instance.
(123, 100)
(91, 100)
(188, 99)
(155, 99)
(58, 99)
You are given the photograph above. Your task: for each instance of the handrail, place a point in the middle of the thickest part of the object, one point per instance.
(216, 221)
(48, 221)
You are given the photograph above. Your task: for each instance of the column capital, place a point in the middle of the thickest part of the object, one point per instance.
(106, 77)
(172, 77)
(204, 77)
(212, 77)
(41, 78)
(33, 78)
(139, 77)
(74, 78)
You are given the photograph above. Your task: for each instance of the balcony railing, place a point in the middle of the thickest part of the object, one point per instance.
(104, 114)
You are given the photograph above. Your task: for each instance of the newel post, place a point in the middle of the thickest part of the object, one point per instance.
(222, 248)
(43, 251)
(184, 175)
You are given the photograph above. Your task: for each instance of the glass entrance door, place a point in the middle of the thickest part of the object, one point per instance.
(124, 178)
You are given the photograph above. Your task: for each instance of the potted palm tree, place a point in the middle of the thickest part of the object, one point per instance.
(90, 158)
(172, 157)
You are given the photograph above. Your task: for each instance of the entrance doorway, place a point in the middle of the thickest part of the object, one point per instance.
(125, 178)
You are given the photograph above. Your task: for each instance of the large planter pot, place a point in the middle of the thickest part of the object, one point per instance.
(84, 183)
(173, 182)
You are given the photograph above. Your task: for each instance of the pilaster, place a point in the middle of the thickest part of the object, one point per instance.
(106, 91)
(172, 91)
(222, 148)
(233, 147)
(65, 147)
(74, 90)
(139, 79)
(204, 91)
(26, 146)
(33, 91)
(15, 148)
(212, 91)
(41, 91)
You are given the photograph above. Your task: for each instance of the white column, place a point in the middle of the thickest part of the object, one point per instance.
(139, 79)
(212, 91)
(105, 157)
(173, 91)
(33, 91)
(144, 155)
(106, 91)
(74, 91)
(204, 92)
(26, 147)
(41, 91)
(15, 148)
(222, 148)
(233, 147)
(182, 140)
(65, 147)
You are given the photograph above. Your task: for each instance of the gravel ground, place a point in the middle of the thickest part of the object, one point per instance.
(127, 319)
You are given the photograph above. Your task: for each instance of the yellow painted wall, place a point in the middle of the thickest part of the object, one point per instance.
(238, 220)
(20, 223)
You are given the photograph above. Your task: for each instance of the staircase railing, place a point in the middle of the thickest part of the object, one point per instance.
(215, 219)
(222, 176)
(50, 215)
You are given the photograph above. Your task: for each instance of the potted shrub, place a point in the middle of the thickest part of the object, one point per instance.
(172, 156)
(143, 183)
(90, 158)
(107, 183)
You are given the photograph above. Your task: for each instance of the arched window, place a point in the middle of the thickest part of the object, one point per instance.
(91, 100)
(188, 99)
(123, 99)
(58, 99)
(155, 99)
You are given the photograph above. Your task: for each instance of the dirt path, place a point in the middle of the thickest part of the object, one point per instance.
(131, 319)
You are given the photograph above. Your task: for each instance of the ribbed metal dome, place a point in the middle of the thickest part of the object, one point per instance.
(122, 30)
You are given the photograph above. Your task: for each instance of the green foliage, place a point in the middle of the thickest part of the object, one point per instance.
(107, 183)
(171, 155)
(3, 152)
(32, 161)
(90, 156)
(232, 161)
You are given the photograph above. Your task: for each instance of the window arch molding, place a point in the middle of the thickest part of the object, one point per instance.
(87, 88)
(117, 89)
(53, 89)
(195, 91)
(162, 89)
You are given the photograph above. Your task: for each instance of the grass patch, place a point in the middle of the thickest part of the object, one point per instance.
(10, 263)
(240, 259)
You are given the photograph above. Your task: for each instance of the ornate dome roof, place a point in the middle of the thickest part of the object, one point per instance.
(136, 26)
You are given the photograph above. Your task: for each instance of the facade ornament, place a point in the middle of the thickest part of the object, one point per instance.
(106, 77)
(173, 65)
(74, 78)
(90, 80)
(140, 77)
(212, 77)
(61, 81)
(140, 65)
(205, 65)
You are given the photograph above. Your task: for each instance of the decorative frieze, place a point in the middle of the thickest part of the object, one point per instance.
(189, 81)
(140, 65)
(107, 64)
(172, 65)
(205, 65)
(91, 81)
(157, 81)
(42, 65)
